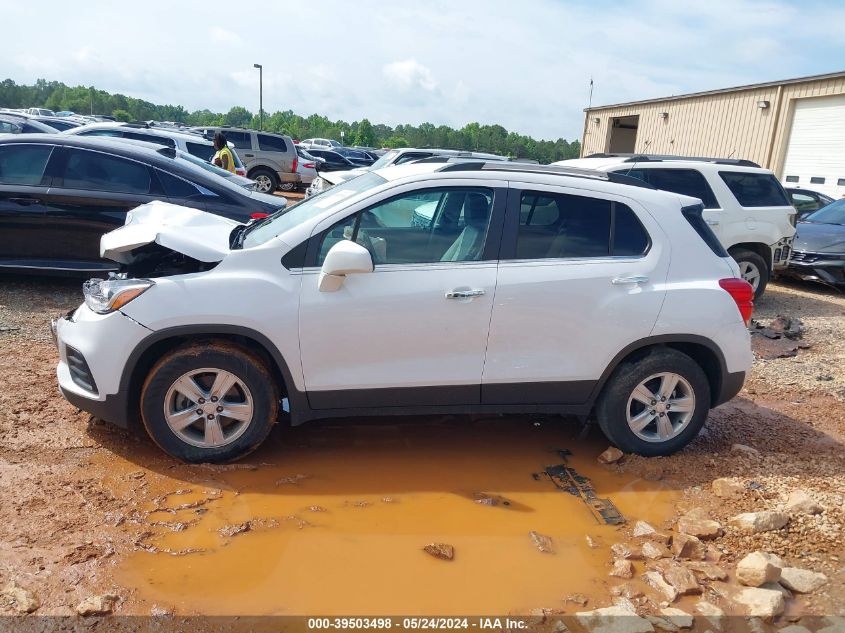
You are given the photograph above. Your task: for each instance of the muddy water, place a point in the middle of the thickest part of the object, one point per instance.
(339, 516)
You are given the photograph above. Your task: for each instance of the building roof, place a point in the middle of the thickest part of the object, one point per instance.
(768, 84)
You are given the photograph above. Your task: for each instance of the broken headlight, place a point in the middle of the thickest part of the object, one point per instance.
(107, 295)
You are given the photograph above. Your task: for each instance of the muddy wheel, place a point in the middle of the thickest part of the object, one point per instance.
(753, 269)
(265, 180)
(655, 405)
(209, 403)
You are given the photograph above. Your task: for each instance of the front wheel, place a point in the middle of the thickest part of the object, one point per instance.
(753, 269)
(655, 405)
(265, 180)
(209, 403)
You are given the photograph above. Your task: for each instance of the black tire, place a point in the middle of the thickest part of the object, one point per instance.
(246, 367)
(260, 174)
(612, 405)
(751, 261)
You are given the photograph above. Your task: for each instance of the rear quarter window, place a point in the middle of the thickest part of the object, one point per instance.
(267, 143)
(693, 215)
(241, 140)
(755, 190)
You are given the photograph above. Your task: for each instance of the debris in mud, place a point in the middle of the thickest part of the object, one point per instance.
(611, 455)
(568, 479)
(590, 542)
(486, 499)
(97, 605)
(157, 611)
(623, 550)
(780, 327)
(542, 542)
(626, 590)
(316, 509)
(293, 479)
(778, 339)
(232, 530)
(443, 551)
(577, 598)
(272, 523)
(211, 495)
(388, 500)
(15, 598)
(622, 569)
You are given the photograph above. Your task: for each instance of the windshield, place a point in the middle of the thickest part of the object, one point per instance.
(385, 160)
(309, 208)
(834, 213)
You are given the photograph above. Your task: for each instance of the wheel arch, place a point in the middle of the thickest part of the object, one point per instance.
(149, 350)
(763, 250)
(701, 349)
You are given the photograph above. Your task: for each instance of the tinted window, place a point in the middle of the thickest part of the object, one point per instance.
(101, 133)
(149, 138)
(408, 157)
(697, 221)
(562, 225)
(629, 236)
(241, 140)
(687, 182)
(792, 179)
(816, 180)
(23, 164)
(103, 172)
(432, 225)
(755, 190)
(200, 150)
(269, 143)
(9, 128)
(176, 187)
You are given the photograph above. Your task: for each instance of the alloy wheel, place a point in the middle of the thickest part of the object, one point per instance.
(263, 183)
(750, 273)
(660, 407)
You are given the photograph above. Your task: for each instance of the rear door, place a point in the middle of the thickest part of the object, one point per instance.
(90, 196)
(582, 275)
(23, 190)
(243, 143)
(274, 151)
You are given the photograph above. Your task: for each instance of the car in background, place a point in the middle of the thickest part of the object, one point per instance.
(59, 194)
(744, 204)
(189, 142)
(10, 123)
(270, 159)
(58, 123)
(320, 143)
(40, 111)
(819, 252)
(332, 160)
(806, 201)
(362, 159)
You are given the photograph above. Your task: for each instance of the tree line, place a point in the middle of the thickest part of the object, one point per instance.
(476, 137)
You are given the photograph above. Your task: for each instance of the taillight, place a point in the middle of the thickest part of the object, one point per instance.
(295, 165)
(308, 165)
(258, 215)
(742, 293)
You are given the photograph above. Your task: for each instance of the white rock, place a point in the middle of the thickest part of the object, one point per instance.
(699, 525)
(802, 580)
(613, 620)
(764, 521)
(97, 605)
(760, 603)
(725, 487)
(799, 502)
(611, 455)
(710, 611)
(655, 580)
(662, 624)
(622, 569)
(749, 451)
(678, 617)
(641, 528)
(19, 599)
(757, 568)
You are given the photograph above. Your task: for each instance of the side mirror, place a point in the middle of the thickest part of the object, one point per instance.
(344, 258)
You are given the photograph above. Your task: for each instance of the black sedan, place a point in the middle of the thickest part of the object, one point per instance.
(333, 160)
(819, 247)
(11, 124)
(806, 201)
(59, 194)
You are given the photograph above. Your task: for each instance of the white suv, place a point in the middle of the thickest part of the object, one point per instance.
(425, 288)
(745, 204)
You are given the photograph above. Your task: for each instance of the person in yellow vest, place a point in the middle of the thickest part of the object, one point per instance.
(223, 157)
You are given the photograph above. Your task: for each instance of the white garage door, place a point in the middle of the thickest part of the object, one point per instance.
(815, 155)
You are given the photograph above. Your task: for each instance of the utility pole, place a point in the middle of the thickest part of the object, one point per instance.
(260, 95)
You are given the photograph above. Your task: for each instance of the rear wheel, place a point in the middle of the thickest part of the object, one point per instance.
(655, 405)
(209, 403)
(753, 269)
(265, 180)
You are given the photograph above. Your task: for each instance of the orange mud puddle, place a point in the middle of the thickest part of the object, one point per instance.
(339, 515)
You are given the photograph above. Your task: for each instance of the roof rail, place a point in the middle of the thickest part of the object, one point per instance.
(139, 124)
(656, 158)
(551, 170)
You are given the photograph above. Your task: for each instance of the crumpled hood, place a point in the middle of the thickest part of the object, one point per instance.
(197, 234)
(820, 238)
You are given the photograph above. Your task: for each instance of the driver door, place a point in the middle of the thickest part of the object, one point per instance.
(414, 331)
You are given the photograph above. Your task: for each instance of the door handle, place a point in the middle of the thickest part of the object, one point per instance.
(25, 202)
(634, 279)
(463, 294)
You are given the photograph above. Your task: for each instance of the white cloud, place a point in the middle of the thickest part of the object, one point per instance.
(219, 34)
(409, 74)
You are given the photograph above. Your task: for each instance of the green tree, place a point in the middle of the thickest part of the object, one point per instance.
(366, 135)
(121, 115)
(238, 116)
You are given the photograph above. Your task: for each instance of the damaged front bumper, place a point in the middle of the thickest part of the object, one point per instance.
(827, 268)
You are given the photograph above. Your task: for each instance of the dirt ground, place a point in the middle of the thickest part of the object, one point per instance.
(332, 518)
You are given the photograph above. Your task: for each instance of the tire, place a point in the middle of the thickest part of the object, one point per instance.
(247, 390)
(266, 181)
(288, 186)
(617, 403)
(753, 269)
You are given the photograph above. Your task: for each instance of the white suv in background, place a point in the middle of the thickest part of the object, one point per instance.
(423, 288)
(744, 204)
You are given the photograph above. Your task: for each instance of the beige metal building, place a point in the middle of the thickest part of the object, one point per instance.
(794, 127)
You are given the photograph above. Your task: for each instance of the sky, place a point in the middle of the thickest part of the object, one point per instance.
(524, 64)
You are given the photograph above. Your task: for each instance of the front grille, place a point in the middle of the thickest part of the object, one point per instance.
(80, 374)
(802, 257)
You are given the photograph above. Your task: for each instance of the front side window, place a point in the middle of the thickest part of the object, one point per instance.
(562, 226)
(103, 172)
(424, 226)
(241, 140)
(269, 143)
(755, 190)
(23, 164)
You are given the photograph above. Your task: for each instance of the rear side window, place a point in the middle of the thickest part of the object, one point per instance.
(103, 172)
(629, 237)
(693, 214)
(241, 140)
(176, 187)
(755, 190)
(687, 182)
(269, 143)
(23, 164)
(200, 150)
